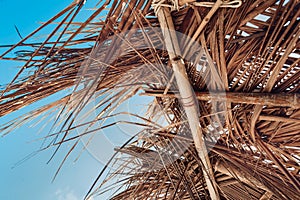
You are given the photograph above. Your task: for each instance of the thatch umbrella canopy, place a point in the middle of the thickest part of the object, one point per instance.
(233, 66)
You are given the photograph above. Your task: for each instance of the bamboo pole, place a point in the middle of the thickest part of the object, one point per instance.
(264, 99)
(186, 93)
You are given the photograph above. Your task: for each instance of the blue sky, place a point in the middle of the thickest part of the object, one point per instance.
(32, 179)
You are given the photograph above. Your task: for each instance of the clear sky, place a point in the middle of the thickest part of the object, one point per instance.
(31, 180)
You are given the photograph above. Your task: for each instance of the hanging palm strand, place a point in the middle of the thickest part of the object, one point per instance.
(223, 79)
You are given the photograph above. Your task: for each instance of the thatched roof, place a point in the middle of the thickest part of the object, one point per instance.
(243, 70)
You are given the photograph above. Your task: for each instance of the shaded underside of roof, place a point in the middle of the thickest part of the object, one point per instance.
(249, 114)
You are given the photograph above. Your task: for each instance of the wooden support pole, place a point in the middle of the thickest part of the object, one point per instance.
(264, 99)
(187, 96)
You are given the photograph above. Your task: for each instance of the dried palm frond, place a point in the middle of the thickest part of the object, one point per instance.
(244, 72)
